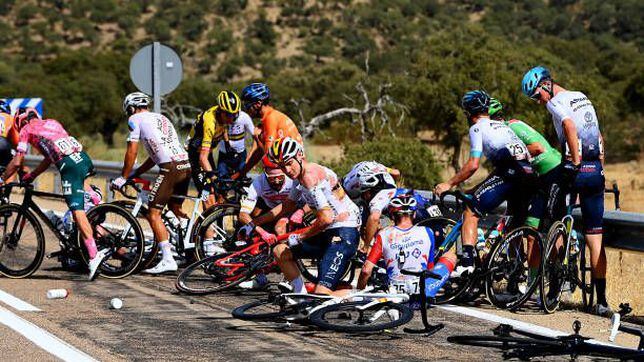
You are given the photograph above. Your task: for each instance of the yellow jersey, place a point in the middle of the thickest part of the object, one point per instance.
(206, 132)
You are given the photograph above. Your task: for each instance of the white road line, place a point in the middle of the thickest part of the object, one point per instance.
(519, 325)
(16, 303)
(42, 338)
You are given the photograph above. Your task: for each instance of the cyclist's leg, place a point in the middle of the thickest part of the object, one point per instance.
(223, 159)
(342, 246)
(286, 257)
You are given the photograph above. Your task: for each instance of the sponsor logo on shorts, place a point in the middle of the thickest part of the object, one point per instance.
(185, 166)
(67, 188)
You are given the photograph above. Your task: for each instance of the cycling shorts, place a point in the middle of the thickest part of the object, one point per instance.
(230, 162)
(589, 185)
(334, 249)
(504, 186)
(74, 169)
(6, 154)
(173, 179)
(198, 175)
(550, 199)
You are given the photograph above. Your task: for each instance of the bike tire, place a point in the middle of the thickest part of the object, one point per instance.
(126, 255)
(323, 317)
(586, 278)
(150, 254)
(204, 277)
(551, 267)
(502, 263)
(33, 262)
(215, 221)
(273, 308)
(500, 342)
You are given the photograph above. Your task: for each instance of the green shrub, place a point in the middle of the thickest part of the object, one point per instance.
(415, 161)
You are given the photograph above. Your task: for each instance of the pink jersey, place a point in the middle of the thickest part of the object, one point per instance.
(50, 139)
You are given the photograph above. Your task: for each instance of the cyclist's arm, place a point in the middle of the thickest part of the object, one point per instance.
(367, 268)
(466, 171)
(285, 208)
(601, 149)
(323, 218)
(147, 165)
(373, 224)
(256, 154)
(204, 162)
(13, 166)
(570, 131)
(42, 167)
(395, 173)
(130, 158)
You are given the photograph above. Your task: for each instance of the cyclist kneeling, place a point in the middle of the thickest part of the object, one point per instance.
(405, 246)
(332, 238)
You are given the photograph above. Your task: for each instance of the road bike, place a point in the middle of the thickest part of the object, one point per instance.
(502, 273)
(22, 243)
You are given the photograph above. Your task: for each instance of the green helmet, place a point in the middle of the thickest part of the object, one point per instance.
(496, 108)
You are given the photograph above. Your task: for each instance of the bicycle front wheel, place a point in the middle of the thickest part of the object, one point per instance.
(220, 225)
(362, 316)
(118, 231)
(514, 268)
(22, 243)
(215, 273)
(276, 308)
(554, 270)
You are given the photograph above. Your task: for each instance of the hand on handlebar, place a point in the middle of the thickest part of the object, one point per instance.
(118, 183)
(245, 231)
(265, 235)
(442, 187)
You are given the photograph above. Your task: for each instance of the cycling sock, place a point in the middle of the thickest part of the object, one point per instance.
(90, 244)
(166, 250)
(298, 285)
(600, 288)
(443, 268)
(468, 256)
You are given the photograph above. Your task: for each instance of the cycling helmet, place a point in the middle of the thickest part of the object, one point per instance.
(533, 78)
(270, 168)
(255, 92)
(5, 107)
(475, 102)
(403, 204)
(496, 108)
(24, 116)
(284, 149)
(228, 102)
(136, 100)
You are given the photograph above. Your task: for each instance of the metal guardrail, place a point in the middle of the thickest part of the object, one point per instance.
(623, 230)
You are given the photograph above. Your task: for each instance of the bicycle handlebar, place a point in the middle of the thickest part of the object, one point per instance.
(461, 199)
(421, 274)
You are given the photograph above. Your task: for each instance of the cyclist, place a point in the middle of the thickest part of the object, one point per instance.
(332, 238)
(274, 124)
(209, 128)
(405, 246)
(577, 128)
(375, 185)
(232, 152)
(160, 139)
(8, 134)
(51, 139)
(510, 159)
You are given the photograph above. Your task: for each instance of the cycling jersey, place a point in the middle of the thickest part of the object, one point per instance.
(351, 181)
(321, 196)
(49, 138)
(205, 131)
(411, 249)
(497, 142)
(237, 132)
(158, 135)
(260, 189)
(276, 125)
(543, 162)
(577, 107)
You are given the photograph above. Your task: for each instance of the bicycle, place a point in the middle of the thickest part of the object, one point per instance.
(530, 345)
(567, 262)
(499, 270)
(22, 246)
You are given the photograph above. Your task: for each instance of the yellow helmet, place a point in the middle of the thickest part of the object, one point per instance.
(229, 102)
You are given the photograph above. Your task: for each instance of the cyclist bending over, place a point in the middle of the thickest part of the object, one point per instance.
(507, 182)
(332, 238)
(405, 246)
(74, 165)
(160, 139)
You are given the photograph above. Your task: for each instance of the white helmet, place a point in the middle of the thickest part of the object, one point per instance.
(137, 100)
(284, 149)
(367, 175)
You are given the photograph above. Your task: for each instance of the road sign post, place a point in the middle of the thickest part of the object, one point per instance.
(156, 70)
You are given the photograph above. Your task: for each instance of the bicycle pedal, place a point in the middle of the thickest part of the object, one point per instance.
(55, 254)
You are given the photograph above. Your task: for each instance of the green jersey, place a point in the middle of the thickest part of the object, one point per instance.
(545, 161)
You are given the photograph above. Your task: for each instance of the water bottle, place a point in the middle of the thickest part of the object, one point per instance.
(57, 293)
(574, 243)
(480, 240)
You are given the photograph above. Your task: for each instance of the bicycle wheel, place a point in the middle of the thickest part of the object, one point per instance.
(586, 278)
(221, 225)
(504, 343)
(151, 249)
(276, 308)
(512, 275)
(362, 316)
(22, 243)
(118, 231)
(552, 265)
(219, 272)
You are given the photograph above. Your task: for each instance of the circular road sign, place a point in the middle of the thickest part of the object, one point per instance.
(170, 69)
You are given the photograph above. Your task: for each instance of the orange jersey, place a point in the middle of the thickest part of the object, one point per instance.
(276, 125)
(6, 128)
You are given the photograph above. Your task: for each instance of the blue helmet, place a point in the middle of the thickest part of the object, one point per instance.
(255, 92)
(533, 78)
(5, 107)
(476, 102)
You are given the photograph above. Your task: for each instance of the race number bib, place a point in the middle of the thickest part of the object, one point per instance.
(517, 151)
(68, 145)
(434, 211)
(405, 286)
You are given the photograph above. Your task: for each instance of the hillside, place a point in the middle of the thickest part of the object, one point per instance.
(75, 55)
